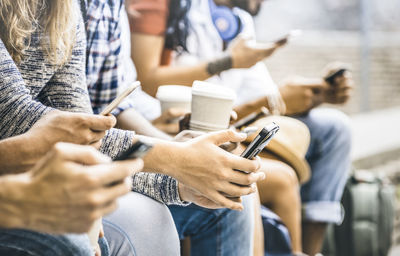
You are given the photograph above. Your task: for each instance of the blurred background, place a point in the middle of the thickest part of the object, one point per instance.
(365, 34)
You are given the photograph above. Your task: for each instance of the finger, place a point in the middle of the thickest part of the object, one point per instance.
(221, 137)
(246, 179)
(117, 171)
(95, 136)
(229, 146)
(86, 155)
(225, 202)
(234, 190)
(101, 123)
(242, 164)
(176, 112)
(105, 196)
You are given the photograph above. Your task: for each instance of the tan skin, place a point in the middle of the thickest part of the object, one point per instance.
(152, 74)
(299, 96)
(20, 153)
(75, 180)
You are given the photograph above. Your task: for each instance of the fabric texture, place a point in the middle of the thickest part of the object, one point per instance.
(219, 232)
(151, 16)
(141, 226)
(104, 71)
(329, 159)
(18, 242)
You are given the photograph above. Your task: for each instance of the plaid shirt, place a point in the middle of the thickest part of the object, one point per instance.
(103, 67)
(104, 76)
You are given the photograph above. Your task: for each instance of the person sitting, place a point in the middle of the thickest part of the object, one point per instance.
(204, 49)
(46, 202)
(45, 76)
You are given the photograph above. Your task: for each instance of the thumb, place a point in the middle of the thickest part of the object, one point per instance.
(222, 137)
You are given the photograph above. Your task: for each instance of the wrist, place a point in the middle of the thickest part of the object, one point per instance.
(162, 158)
(219, 65)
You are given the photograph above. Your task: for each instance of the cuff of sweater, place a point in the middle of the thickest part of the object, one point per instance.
(160, 187)
(116, 141)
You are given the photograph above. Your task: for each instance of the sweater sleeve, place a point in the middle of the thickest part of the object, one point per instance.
(18, 110)
(67, 89)
(157, 186)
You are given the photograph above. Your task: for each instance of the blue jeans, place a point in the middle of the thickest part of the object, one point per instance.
(329, 159)
(18, 242)
(220, 232)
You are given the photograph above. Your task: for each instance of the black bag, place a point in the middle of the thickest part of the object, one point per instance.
(369, 219)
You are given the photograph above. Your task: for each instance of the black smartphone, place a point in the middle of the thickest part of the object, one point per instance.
(260, 141)
(331, 78)
(138, 150)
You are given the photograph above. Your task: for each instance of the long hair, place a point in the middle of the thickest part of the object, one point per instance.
(177, 25)
(19, 19)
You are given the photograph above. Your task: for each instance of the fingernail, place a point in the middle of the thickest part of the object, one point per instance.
(254, 187)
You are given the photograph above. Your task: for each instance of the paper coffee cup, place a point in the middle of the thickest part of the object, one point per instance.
(211, 106)
(174, 96)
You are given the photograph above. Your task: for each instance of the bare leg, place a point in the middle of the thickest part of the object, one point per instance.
(313, 237)
(258, 229)
(280, 192)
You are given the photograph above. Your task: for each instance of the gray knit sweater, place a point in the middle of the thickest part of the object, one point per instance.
(34, 87)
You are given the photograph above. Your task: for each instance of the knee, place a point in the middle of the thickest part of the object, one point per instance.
(287, 180)
(144, 223)
(332, 125)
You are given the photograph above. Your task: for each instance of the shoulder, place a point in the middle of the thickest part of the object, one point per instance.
(247, 21)
(149, 16)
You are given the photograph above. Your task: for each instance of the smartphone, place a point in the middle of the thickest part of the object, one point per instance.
(331, 78)
(120, 98)
(138, 150)
(260, 141)
(293, 33)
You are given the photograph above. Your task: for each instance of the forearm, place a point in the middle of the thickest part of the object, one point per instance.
(133, 121)
(160, 75)
(251, 107)
(19, 153)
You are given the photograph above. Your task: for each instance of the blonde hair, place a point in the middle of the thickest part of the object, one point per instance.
(57, 18)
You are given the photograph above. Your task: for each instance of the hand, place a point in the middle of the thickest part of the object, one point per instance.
(340, 91)
(301, 95)
(246, 56)
(70, 188)
(187, 135)
(190, 195)
(77, 128)
(203, 166)
(168, 121)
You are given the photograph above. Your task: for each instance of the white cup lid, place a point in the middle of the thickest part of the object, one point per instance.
(177, 93)
(206, 89)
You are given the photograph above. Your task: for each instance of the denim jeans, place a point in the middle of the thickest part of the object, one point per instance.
(220, 232)
(18, 242)
(329, 159)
